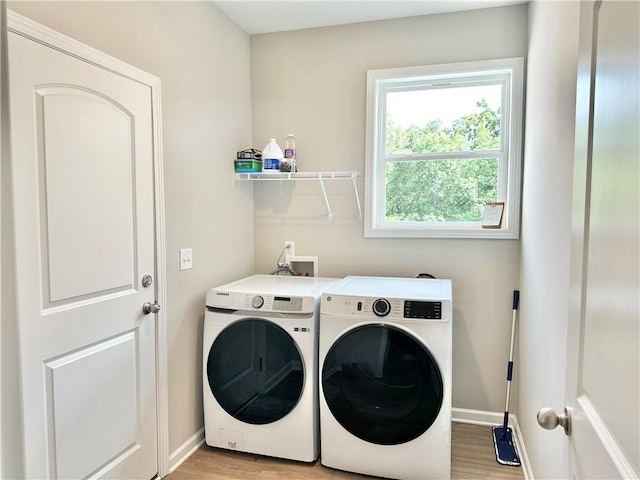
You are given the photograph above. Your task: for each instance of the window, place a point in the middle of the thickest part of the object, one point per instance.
(442, 142)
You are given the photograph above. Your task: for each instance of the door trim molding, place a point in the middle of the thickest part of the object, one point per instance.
(32, 30)
(616, 454)
(37, 32)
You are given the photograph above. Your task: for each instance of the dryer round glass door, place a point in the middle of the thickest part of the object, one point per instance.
(255, 371)
(382, 385)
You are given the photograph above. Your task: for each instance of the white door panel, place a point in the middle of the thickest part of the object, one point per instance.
(603, 375)
(72, 409)
(83, 173)
(79, 212)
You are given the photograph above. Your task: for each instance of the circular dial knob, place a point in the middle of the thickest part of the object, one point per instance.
(257, 301)
(381, 307)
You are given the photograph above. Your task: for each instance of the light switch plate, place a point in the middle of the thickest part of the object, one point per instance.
(186, 259)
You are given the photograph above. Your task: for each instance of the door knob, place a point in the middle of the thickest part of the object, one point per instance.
(549, 419)
(149, 307)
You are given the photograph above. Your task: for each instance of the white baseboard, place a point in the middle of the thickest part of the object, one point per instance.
(185, 450)
(481, 417)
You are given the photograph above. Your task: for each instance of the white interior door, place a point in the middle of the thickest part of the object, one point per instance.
(83, 174)
(604, 338)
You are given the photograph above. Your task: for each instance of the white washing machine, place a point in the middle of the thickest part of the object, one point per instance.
(385, 377)
(260, 373)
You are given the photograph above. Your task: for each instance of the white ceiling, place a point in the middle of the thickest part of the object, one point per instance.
(266, 16)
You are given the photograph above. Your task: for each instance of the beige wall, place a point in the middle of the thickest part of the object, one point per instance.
(548, 182)
(202, 60)
(313, 83)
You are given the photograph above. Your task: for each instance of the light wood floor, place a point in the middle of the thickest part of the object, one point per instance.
(472, 457)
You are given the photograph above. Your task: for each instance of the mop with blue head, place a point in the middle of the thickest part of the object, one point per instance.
(505, 447)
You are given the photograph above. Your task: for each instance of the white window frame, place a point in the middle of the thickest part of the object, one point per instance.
(379, 82)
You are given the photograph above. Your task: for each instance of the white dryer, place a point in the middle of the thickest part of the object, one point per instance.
(260, 373)
(385, 377)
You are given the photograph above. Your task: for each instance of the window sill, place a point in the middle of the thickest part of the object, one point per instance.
(467, 230)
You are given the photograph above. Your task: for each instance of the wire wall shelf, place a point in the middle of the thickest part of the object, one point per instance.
(317, 176)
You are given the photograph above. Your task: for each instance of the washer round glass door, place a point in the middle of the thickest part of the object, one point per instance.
(382, 385)
(255, 371)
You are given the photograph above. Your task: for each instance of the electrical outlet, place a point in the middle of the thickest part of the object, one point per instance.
(289, 248)
(186, 259)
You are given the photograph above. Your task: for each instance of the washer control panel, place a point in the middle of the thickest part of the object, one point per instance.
(276, 303)
(257, 301)
(287, 304)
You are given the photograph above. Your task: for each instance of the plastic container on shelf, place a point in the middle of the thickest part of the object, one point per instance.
(271, 157)
(289, 162)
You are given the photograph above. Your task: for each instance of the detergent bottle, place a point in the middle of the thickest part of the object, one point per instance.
(271, 157)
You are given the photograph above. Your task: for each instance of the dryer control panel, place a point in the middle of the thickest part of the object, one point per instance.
(426, 310)
(412, 309)
(382, 307)
(387, 298)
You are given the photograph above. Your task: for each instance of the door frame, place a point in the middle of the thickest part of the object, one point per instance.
(46, 36)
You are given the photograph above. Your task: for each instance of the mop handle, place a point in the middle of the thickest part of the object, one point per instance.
(516, 300)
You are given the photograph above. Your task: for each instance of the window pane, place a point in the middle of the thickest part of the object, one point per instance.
(440, 190)
(443, 120)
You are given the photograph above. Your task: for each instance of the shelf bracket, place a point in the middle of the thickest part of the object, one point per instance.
(355, 192)
(326, 199)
